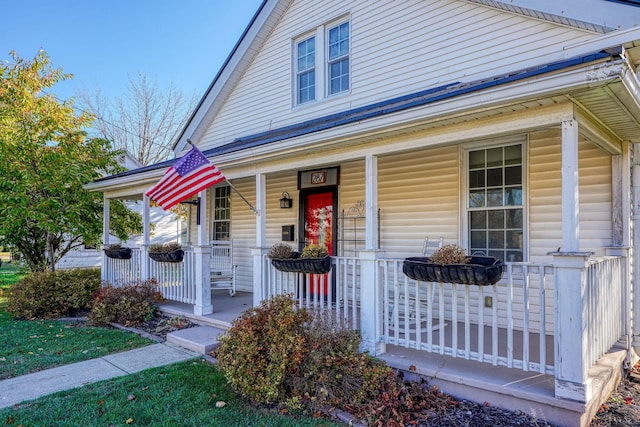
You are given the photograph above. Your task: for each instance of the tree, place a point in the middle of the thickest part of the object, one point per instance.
(145, 121)
(45, 158)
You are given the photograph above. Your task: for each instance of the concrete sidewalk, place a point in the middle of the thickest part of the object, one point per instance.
(32, 386)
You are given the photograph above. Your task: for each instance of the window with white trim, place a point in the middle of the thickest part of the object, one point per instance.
(321, 62)
(338, 61)
(306, 70)
(221, 218)
(495, 202)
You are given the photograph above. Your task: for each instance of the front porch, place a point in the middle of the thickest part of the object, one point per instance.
(501, 341)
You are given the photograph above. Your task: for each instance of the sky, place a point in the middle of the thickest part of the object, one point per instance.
(103, 43)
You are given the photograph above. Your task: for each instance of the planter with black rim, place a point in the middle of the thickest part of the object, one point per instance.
(173, 256)
(303, 265)
(480, 271)
(118, 253)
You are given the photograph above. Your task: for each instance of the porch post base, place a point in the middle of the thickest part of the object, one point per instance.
(370, 305)
(574, 391)
(259, 279)
(202, 310)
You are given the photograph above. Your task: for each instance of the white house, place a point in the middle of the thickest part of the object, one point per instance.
(507, 127)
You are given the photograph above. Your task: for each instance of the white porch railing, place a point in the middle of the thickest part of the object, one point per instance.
(604, 305)
(119, 272)
(337, 292)
(507, 324)
(176, 280)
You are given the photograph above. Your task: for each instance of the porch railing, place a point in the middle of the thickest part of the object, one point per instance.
(176, 280)
(119, 272)
(507, 324)
(337, 292)
(604, 305)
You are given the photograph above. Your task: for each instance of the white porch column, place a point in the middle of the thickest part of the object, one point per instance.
(146, 240)
(571, 377)
(202, 252)
(259, 281)
(635, 275)
(570, 187)
(371, 292)
(106, 209)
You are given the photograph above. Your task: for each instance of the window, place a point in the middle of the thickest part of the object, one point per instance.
(495, 202)
(306, 70)
(321, 62)
(221, 227)
(338, 63)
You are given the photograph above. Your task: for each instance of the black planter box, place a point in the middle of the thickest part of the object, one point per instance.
(120, 253)
(173, 256)
(480, 270)
(303, 265)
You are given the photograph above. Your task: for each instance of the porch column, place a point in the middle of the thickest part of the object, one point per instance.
(145, 273)
(635, 275)
(259, 280)
(202, 252)
(570, 187)
(106, 209)
(371, 288)
(571, 377)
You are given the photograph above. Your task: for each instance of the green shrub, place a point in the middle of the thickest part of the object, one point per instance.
(283, 355)
(127, 305)
(48, 295)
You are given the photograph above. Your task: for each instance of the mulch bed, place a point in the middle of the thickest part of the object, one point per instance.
(623, 407)
(158, 327)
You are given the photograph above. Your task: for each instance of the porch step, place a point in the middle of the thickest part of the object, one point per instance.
(201, 339)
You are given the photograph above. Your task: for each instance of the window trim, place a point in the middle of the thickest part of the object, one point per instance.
(464, 149)
(212, 211)
(321, 34)
(297, 71)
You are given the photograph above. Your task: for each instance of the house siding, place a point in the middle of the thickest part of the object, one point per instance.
(478, 42)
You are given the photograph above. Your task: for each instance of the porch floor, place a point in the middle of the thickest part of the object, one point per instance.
(225, 308)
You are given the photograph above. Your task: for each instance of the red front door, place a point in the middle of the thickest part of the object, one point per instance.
(318, 230)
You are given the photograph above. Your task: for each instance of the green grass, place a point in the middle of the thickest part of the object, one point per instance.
(184, 394)
(29, 346)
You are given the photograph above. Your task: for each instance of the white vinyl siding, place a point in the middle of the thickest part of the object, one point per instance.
(399, 48)
(418, 197)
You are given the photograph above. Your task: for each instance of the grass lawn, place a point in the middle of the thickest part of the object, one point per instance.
(28, 346)
(184, 394)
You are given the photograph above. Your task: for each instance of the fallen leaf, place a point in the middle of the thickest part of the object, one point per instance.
(220, 404)
(412, 368)
(129, 421)
(131, 397)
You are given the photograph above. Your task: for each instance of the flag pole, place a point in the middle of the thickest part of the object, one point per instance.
(253, 209)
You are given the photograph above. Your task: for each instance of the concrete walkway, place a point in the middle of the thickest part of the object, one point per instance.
(32, 386)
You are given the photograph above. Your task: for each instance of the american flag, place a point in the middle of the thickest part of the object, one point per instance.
(189, 175)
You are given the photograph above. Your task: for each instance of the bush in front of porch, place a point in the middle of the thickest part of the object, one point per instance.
(283, 355)
(127, 305)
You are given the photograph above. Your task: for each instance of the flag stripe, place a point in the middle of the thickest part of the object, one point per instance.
(184, 190)
(175, 180)
(189, 175)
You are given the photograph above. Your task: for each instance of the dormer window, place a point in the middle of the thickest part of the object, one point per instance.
(306, 72)
(322, 62)
(339, 58)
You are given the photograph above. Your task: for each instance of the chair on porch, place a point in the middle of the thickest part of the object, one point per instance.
(429, 246)
(223, 270)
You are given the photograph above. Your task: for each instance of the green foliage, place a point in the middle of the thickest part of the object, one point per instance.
(182, 394)
(281, 251)
(45, 158)
(314, 251)
(127, 305)
(47, 295)
(164, 248)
